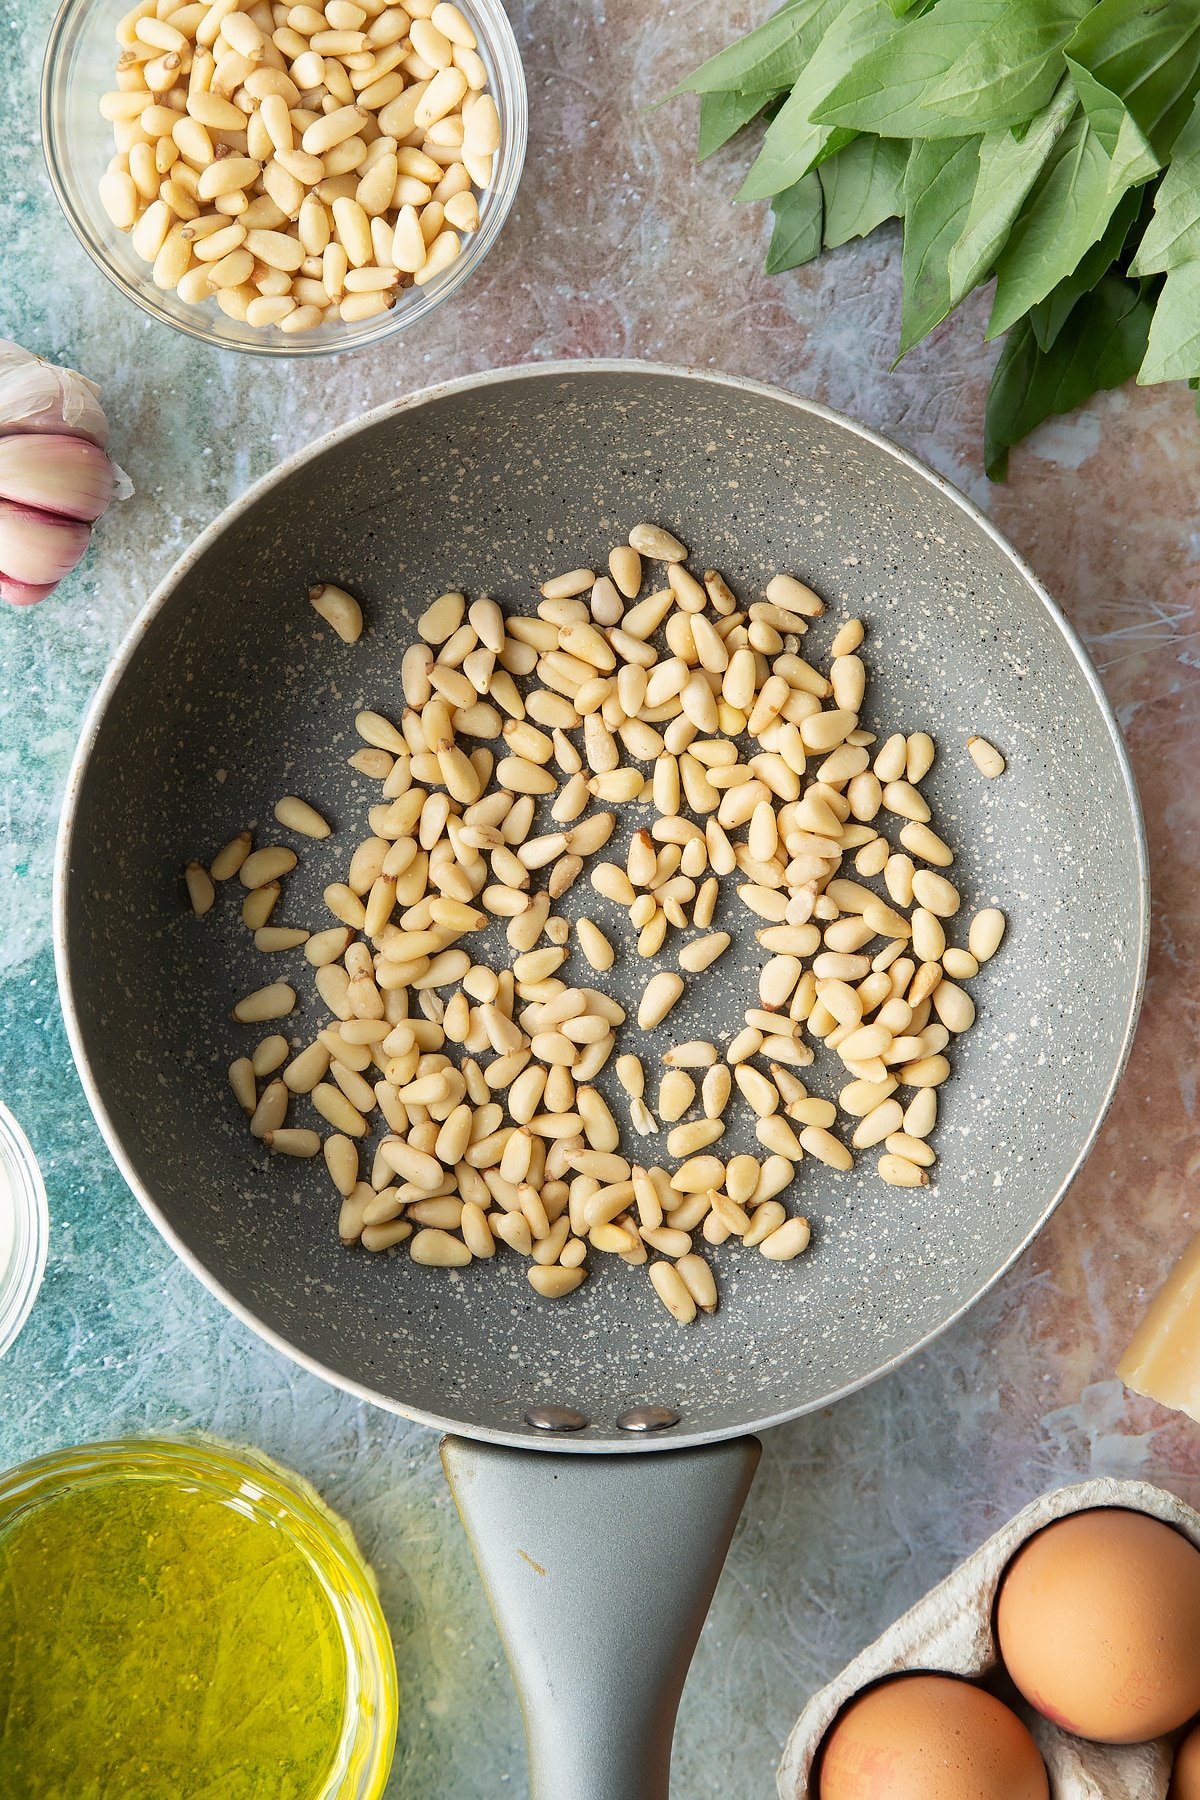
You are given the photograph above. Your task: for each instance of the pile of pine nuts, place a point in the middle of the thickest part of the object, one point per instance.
(297, 164)
(495, 1132)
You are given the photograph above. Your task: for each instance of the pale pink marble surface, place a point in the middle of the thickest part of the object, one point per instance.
(619, 245)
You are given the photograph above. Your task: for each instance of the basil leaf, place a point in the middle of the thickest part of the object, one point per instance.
(1140, 60)
(938, 185)
(1067, 210)
(723, 115)
(1130, 151)
(1107, 339)
(885, 89)
(1173, 234)
(794, 144)
(799, 214)
(1008, 168)
(764, 61)
(863, 185)
(1012, 68)
(1173, 353)
(1050, 315)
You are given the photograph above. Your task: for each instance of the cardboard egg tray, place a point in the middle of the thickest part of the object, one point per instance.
(950, 1631)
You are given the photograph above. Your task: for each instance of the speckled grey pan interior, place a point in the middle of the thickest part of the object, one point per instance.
(231, 693)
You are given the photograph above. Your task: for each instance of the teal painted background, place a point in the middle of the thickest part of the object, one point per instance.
(617, 246)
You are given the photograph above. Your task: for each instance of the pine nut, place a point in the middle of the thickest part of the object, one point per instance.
(986, 933)
(920, 1116)
(953, 1006)
(862, 1097)
(716, 1090)
(270, 1054)
(658, 544)
(929, 939)
(924, 1072)
(338, 608)
(935, 893)
(898, 1171)
(913, 1148)
(241, 1080)
(986, 757)
(828, 1149)
(695, 1054)
(919, 754)
(201, 892)
(264, 866)
(776, 1135)
(272, 1002)
(927, 844)
(686, 1140)
(341, 1159)
(788, 1240)
(673, 1291)
(271, 1110)
(554, 1281)
(292, 1142)
(299, 816)
(902, 798)
(437, 1249)
(763, 1221)
(761, 1094)
(658, 997)
(698, 1279)
(703, 952)
(676, 1091)
(226, 863)
(882, 1120)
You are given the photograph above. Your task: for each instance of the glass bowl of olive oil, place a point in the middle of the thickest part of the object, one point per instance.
(178, 1617)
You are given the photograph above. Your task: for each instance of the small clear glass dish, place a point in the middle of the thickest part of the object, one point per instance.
(24, 1228)
(258, 1490)
(80, 65)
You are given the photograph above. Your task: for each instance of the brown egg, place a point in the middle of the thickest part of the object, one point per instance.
(1099, 1625)
(930, 1737)
(1185, 1777)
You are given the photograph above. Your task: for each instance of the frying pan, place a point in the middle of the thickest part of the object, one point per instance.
(229, 693)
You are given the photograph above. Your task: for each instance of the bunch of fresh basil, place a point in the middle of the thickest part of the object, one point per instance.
(1054, 144)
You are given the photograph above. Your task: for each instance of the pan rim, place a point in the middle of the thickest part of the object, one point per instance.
(611, 1443)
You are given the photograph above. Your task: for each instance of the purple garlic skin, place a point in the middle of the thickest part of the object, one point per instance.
(38, 548)
(55, 476)
(70, 471)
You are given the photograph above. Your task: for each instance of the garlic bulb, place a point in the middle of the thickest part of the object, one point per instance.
(55, 477)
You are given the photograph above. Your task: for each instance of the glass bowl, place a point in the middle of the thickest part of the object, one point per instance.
(249, 1483)
(80, 65)
(24, 1228)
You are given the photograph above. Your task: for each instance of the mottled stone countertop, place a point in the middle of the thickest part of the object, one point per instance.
(618, 246)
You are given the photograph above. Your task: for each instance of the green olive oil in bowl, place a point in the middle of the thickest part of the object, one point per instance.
(179, 1619)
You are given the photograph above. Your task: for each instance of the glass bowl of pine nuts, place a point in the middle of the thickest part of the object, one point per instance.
(278, 179)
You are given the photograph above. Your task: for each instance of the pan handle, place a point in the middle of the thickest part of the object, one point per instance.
(599, 1571)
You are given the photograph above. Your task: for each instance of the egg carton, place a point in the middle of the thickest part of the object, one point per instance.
(951, 1632)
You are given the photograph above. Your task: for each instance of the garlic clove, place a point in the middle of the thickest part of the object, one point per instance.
(24, 593)
(37, 548)
(56, 473)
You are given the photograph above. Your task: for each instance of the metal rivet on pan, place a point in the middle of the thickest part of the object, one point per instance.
(554, 1418)
(647, 1418)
